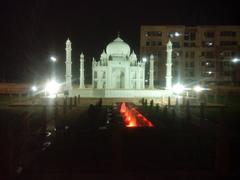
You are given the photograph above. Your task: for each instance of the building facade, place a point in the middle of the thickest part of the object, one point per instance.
(117, 73)
(200, 53)
(118, 68)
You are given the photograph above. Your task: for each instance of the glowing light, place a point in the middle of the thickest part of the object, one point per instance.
(209, 72)
(53, 59)
(132, 118)
(178, 88)
(177, 34)
(144, 59)
(235, 60)
(210, 43)
(198, 88)
(52, 88)
(34, 88)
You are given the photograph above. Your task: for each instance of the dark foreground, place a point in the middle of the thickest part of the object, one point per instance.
(90, 149)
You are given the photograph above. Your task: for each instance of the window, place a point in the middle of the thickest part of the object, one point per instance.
(153, 33)
(176, 44)
(147, 43)
(228, 43)
(227, 73)
(189, 73)
(228, 33)
(153, 43)
(228, 53)
(191, 64)
(189, 36)
(192, 54)
(208, 54)
(226, 63)
(176, 54)
(186, 44)
(189, 44)
(192, 44)
(210, 64)
(209, 34)
(159, 43)
(186, 54)
(95, 84)
(207, 44)
(104, 84)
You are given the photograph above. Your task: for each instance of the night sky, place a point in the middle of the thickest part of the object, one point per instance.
(34, 30)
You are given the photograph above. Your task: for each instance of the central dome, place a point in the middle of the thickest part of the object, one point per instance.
(118, 48)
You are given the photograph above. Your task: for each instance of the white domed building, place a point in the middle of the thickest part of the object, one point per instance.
(118, 68)
(118, 73)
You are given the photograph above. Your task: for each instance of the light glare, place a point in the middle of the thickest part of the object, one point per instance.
(34, 88)
(198, 88)
(177, 34)
(178, 88)
(235, 60)
(53, 59)
(52, 88)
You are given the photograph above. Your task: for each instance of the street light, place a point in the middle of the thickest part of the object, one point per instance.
(52, 88)
(177, 34)
(53, 59)
(34, 88)
(198, 88)
(144, 59)
(235, 60)
(178, 88)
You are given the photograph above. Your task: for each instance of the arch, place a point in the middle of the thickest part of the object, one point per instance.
(118, 79)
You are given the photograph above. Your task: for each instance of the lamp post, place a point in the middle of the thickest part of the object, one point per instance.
(53, 60)
(234, 61)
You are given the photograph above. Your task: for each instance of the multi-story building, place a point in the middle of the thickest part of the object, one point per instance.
(200, 53)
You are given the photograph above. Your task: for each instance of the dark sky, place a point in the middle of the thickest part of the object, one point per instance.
(34, 30)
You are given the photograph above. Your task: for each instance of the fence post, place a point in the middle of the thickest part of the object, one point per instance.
(202, 113)
(65, 105)
(75, 100)
(70, 105)
(169, 101)
(78, 99)
(188, 111)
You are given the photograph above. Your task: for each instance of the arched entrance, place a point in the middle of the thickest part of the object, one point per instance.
(118, 79)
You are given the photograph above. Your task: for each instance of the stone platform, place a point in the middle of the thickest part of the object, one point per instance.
(121, 93)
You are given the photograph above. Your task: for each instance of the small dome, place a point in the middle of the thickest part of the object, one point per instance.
(118, 47)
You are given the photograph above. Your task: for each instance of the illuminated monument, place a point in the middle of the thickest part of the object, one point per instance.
(118, 68)
(118, 73)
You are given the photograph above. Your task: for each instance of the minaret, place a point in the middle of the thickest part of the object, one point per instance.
(151, 71)
(169, 66)
(81, 71)
(68, 65)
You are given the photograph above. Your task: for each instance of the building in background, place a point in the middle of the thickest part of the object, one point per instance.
(200, 53)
